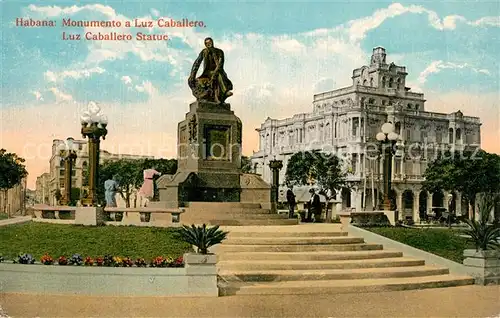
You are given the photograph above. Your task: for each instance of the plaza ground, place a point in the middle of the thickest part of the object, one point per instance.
(465, 301)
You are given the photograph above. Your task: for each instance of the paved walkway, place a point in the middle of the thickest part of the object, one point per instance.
(15, 220)
(466, 301)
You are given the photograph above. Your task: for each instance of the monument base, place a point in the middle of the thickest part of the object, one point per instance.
(89, 215)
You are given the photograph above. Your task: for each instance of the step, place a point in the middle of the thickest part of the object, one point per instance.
(251, 265)
(343, 286)
(224, 248)
(292, 240)
(308, 256)
(251, 216)
(331, 274)
(223, 205)
(284, 234)
(244, 222)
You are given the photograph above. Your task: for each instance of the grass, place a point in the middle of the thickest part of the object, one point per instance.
(443, 242)
(3, 216)
(58, 239)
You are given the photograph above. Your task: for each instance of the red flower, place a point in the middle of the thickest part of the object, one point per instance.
(46, 259)
(89, 261)
(62, 260)
(99, 261)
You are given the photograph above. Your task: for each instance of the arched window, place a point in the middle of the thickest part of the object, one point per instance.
(390, 82)
(371, 101)
(450, 135)
(371, 81)
(383, 102)
(458, 134)
(383, 81)
(417, 107)
(397, 127)
(365, 82)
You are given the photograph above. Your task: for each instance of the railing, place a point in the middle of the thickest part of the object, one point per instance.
(142, 216)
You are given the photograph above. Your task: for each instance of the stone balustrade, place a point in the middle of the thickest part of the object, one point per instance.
(141, 216)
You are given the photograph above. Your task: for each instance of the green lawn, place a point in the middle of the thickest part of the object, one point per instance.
(3, 216)
(57, 240)
(442, 242)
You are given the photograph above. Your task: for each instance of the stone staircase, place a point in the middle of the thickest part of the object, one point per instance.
(318, 259)
(238, 213)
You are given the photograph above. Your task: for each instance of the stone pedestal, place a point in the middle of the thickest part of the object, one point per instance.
(486, 265)
(209, 158)
(89, 215)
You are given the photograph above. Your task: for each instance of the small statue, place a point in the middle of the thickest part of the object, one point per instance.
(110, 189)
(146, 192)
(213, 85)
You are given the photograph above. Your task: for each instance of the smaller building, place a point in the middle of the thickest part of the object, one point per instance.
(14, 203)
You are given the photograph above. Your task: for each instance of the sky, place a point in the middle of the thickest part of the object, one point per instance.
(278, 54)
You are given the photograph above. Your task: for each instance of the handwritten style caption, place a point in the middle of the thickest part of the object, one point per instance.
(161, 23)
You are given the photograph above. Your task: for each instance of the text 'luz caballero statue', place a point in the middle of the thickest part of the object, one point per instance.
(213, 84)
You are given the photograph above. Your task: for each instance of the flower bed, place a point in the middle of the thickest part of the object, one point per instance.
(106, 261)
(109, 276)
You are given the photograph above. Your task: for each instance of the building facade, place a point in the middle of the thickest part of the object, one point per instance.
(53, 181)
(14, 201)
(345, 121)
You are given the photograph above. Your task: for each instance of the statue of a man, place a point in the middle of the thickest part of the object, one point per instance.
(213, 84)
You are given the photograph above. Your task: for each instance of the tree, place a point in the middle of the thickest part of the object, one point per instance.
(246, 164)
(321, 169)
(467, 172)
(129, 174)
(12, 171)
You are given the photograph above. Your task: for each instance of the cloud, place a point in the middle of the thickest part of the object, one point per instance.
(360, 27)
(126, 79)
(324, 85)
(73, 74)
(38, 95)
(437, 66)
(146, 87)
(60, 96)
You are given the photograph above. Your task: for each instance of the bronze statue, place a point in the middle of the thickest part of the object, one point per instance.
(213, 84)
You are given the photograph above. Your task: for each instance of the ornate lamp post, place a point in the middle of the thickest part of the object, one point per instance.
(93, 127)
(275, 166)
(69, 156)
(388, 139)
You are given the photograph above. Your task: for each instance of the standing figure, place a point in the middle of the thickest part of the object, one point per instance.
(110, 189)
(314, 207)
(147, 189)
(213, 85)
(290, 198)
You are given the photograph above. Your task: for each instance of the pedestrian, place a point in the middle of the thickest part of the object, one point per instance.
(314, 207)
(290, 198)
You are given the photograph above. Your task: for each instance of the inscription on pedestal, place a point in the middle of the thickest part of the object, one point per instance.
(217, 139)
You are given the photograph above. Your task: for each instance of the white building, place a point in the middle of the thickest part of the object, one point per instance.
(346, 121)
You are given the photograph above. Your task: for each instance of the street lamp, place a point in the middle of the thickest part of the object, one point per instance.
(68, 154)
(388, 139)
(275, 166)
(93, 127)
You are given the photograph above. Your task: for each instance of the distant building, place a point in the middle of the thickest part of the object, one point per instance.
(15, 202)
(346, 120)
(54, 180)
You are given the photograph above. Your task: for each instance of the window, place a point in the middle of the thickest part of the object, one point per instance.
(383, 81)
(371, 82)
(450, 135)
(390, 82)
(365, 82)
(439, 137)
(61, 172)
(383, 102)
(458, 134)
(408, 134)
(80, 146)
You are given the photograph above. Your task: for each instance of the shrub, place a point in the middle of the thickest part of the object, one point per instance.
(202, 237)
(484, 235)
(25, 259)
(76, 259)
(88, 261)
(140, 262)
